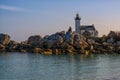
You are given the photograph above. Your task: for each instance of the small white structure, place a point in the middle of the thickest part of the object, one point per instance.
(87, 30)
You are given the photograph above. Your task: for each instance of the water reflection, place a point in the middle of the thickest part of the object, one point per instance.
(59, 67)
(78, 65)
(4, 55)
(93, 65)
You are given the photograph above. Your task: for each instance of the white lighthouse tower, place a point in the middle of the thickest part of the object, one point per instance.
(77, 23)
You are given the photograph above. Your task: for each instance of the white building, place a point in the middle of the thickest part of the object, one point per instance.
(86, 30)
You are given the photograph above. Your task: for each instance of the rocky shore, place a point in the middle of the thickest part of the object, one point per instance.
(62, 43)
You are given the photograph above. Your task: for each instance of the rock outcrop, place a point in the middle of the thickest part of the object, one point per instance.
(12, 46)
(34, 40)
(4, 39)
(2, 48)
(60, 43)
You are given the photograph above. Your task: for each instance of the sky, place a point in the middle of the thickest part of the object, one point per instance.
(23, 18)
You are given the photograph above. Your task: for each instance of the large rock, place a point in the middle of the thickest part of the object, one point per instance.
(37, 50)
(53, 40)
(69, 36)
(65, 42)
(47, 51)
(75, 39)
(34, 40)
(2, 48)
(80, 41)
(12, 46)
(66, 47)
(24, 47)
(4, 39)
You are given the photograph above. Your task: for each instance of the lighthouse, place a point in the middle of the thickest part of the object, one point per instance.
(77, 23)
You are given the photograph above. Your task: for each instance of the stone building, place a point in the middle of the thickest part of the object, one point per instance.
(86, 30)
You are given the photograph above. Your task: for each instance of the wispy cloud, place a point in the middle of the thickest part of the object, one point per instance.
(11, 8)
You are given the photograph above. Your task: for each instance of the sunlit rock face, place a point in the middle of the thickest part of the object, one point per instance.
(68, 40)
(52, 40)
(79, 40)
(62, 42)
(75, 39)
(4, 39)
(2, 47)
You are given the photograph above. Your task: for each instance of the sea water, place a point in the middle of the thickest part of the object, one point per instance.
(30, 66)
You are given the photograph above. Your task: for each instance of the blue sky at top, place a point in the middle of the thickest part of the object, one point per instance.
(22, 18)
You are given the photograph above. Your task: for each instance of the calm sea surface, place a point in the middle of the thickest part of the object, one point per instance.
(20, 66)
